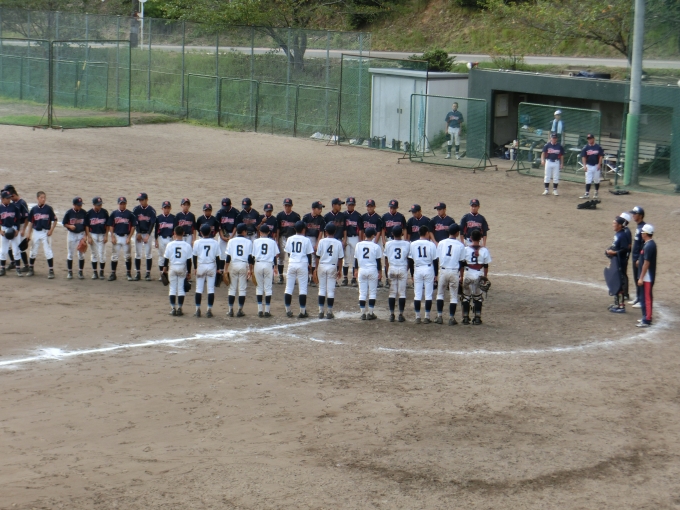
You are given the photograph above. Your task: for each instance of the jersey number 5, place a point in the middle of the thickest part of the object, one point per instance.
(178, 252)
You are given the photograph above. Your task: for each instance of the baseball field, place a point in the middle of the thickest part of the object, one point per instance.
(108, 402)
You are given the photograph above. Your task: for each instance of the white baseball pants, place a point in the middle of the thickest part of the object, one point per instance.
(282, 249)
(350, 248)
(455, 135)
(448, 279)
(206, 272)
(315, 243)
(398, 277)
(98, 248)
(176, 275)
(162, 245)
(327, 274)
(471, 283)
(423, 278)
(72, 240)
(368, 283)
(10, 243)
(189, 239)
(40, 238)
(552, 171)
(223, 248)
(299, 273)
(119, 246)
(593, 174)
(238, 271)
(264, 274)
(143, 249)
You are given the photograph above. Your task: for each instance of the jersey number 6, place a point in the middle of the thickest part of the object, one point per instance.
(239, 250)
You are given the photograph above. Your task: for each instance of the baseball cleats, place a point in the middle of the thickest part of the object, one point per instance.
(476, 321)
(632, 301)
(147, 277)
(80, 275)
(643, 325)
(19, 273)
(439, 320)
(30, 272)
(637, 305)
(596, 196)
(452, 321)
(354, 282)
(556, 193)
(198, 313)
(289, 314)
(363, 316)
(448, 155)
(457, 156)
(303, 315)
(50, 275)
(95, 276)
(240, 313)
(380, 284)
(585, 195)
(280, 279)
(180, 312)
(25, 269)
(344, 282)
(387, 284)
(466, 320)
(267, 315)
(12, 265)
(209, 313)
(129, 277)
(260, 314)
(321, 315)
(419, 320)
(137, 276)
(112, 277)
(401, 318)
(330, 315)
(69, 276)
(617, 309)
(371, 316)
(545, 192)
(426, 321)
(391, 317)
(3, 272)
(173, 312)
(230, 313)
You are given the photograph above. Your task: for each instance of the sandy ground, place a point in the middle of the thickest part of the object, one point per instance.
(106, 402)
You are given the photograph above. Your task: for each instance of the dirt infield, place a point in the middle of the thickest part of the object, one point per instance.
(107, 402)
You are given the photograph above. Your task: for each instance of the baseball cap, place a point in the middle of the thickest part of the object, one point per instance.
(241, 227)
(648, 229)
(142, 196)
(268, 207)
(337, 201)
(474, 201)
(626, 217)
(205, 229)
(370, 202)
(299, 225)
(394, 203)
(637, 210)
(97, 201)
(589, 136)
(454, 228)
(77, 201)
(370, 232)
(6, 194)
(287, 201)
(7, 187)
(265, 229)
(246, 202)
(330, 228)
(620, 220)
(553, 134)
(122, 200)
(351, 201)
(317, 205)
(440, 205)
(207, 207)
(414, 208)
(165, 204)
(226, 202)
(558, 112)
(185, 201)
(396, 230)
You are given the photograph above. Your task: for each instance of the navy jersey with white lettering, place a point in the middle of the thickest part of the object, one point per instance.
(620, 246)
(454, 119)
(592, 154)
(97, 221)
(250, 218)
(75, 218)
(146, 218)
(471, 222)
(165, 225)
(210, 220)
(638, 242)
(9, 215)
(187, 221)
(413, 227)
(122, 222)
(287, 223)
(372, 221)
(315, 224)
(23, 209)
(338, 219)
(271, 221)
(440, 227)
(649, 255)
(353, 223)
(42, 217)
(553, 151)
(392, 220)
(227, 219)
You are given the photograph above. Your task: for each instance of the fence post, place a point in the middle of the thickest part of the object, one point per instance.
(217, 75)
(118, 63)
(252, 69)
(287, 79)
(1, 50)
(148, 78)
(86, 74)
(50, 84)
(361, 66)
(75, 94)
(219, 100)
(28, 49)
(297, 95)
(184, 40)
(56, 54)
(328, 72)
(257, 104)
(106, 97)
(21, 78)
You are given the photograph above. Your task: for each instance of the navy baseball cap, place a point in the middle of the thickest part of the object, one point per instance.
(553, 135)
(351, 201)
(226, 202)
(268, 207)
(97, 201)
(77, 201)
(396, 230)
(474, 202)
(370, 232)
(370, 202)
(620, 220)
(6, 194)
(590, 135)
(394, 203)
(165, 204)
(454, 228)
(637, 210)
(440, 205)
(122, 200)
(337, 201)
(265, 229)
(207, 207)
(185, 201)
(330, 228)
(287, 201)
(205, 229)
(317, 205)
(142, 196)
(241, 227)
(7, 187)
(414, 208)
(299, 225)
(246, 202)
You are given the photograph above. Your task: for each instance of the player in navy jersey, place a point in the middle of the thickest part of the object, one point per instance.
(439, 226)
(163, 233)
(42, 221)
(639, 218)
(23, 208)
(619, 250)
(121, 227)
(473, 221)
(96, 220)
(250, 218)
(10, 215)
(553, 159)
(390, 220)
(227, 219)
(454, 122)
(413, 225)
(270, 220)
(647, 277)
(337, 217)
(207, 218)
(286, 228)
(315, 226)
(74, 222)
(187, 220)
(353, 231)
(146, 224)
(591, 156)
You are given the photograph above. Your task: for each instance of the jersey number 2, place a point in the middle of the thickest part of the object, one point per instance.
(366, 251)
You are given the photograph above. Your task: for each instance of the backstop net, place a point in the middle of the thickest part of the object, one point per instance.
(537, 121)
(448, 131)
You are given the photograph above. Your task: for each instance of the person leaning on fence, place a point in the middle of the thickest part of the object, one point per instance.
(591, 156)
(553, 159)
(454, 123)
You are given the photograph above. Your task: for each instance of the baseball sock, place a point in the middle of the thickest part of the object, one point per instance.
(466, 309)
(172, 301)
(452, 309)
(114, 265)
(24, 258)
(302, 298)
(478, 308)
(259, 302)
(94, 267)
(587, 188)
(2, 263)
(232, 299)
(81, 265)
(555, 184)
(10, 255)
(428, 307)
(345, 271)
(330, 304)
(440, 307)
(392, 301)
(180, 301)
(267, 303)
(416, 305)
(362, 306)
(547, 185)
(280, 269)
(128, 265)
(402, 305)
(197, 300)
(102, 264)
(32, 262)
(69, 264)
(597, 187)
(371, 305)
(149, 262)
(160, 269)
(457, 148)
(448, 148)
(211, 300)
(138, 263)
(189, 265)
(241, 302)
(287, 300)
(322, 301)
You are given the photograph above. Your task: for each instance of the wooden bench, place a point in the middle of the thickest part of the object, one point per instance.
(615, 154)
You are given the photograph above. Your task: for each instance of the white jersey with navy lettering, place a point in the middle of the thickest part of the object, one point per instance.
(423, 252)
(396, 252)
(450, 252)
(367, 254)
(329, 251)
(265, 249)
(177, 253)
(297, 248)
(477, 258)
(239, 248)
(206, 249)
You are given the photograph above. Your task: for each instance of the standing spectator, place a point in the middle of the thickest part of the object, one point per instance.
(557, 125)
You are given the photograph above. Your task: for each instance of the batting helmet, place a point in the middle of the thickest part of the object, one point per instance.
(10, 233)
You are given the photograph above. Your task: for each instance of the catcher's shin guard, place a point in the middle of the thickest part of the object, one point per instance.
(477, 303)
(466, 308)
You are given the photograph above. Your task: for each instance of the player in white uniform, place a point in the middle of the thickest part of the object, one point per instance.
(206, 251)
(299, 249)
(239, 262)
(177, 253)
(367, 263)
(423, 253)
(330, 253)
(477, 259)
(396, 260)
(450, 253)
(265, 251)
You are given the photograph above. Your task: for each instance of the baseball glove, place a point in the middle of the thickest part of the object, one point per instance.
(23, 245)
(218, 279)
(10, 233)
(484, 284)
(254, 278)
(82, 245)
(187, 285)
(165, 279)
(590, 204)
(226, 278)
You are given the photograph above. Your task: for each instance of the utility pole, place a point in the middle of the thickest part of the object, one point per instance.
(630, 170)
